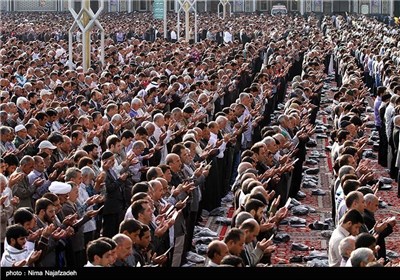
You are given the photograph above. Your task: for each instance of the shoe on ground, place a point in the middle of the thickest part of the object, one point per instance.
(296, 259)
(300, 195)
(223, 221)
(281, 237)
(188, 264)
(317, 225)
(311, 162)
(203, 232)
(299, 247)
(318, 192)
(326, 234)
(194, 258)
(309, 185)
(311, 171)
(317, 263)
(300, 210)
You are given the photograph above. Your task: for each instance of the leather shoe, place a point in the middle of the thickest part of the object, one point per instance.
(311, 143)
(374, 138)
(326, 234)
(318, 192)
(223, 221)
(317, 263)
(296, 259)
(311, 161)
(382, 204)
(195, 258)
(370, 124)
(299, 247)
(295, 202)
(316, 154)
(297, 222)
(315, 254)
(330, 222)
(312, 171)
(392, 254)
(310, 209)
(311, 178)
(219, 211)
(369, 154)
(284, 222)
(300, 195)
(203, 231)
(281, 237)
(300, 210)
(385, 187)
(321, 136)
(309, 185)
(201, 249)
(328, 148)
(203, 240)
(317, 225)
(385, 181)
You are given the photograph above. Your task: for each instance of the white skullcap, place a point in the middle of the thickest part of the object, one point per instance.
(46, 145)
(19, 127)
(59, 187)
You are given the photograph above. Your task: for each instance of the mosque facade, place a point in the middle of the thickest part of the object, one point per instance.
(378, 7)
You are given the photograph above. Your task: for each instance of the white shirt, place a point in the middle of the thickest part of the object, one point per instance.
(227, 37)
(247, 135)
(334, 257)
(12, 255)
(89, 264)
(388, 119)
(173, 35)
(157, 133)
(82, 197)
(128, 214)
(213, 141)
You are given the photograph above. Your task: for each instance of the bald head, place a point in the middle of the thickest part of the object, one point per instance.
(251, 228)
(371, 202)
(241, 217)
(216, 251)
(243, 166)
(346, 246)
(124, 246)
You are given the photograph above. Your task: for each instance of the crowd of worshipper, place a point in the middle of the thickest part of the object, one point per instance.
(364, 115)
(114, 166)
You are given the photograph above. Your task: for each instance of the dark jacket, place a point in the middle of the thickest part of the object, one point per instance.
(115, 199)
(369, 220)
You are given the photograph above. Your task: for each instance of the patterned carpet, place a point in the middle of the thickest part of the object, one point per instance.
(322, 204)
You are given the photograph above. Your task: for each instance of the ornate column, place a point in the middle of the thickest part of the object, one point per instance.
(85, 20)
(186, 5)
(224, 4)
(302, 7)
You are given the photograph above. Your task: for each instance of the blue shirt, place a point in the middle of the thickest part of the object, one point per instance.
(377, 104)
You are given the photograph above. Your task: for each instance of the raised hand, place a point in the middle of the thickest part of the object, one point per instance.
(15, 179)
(34, 257)
(20, 263)
(53, 176)
(70, 219)
(92, 213)
(159, 259)
(69, 231)
(48, 230)
(38, 182)
(34, 235)
(3, 199)
(161, 229)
